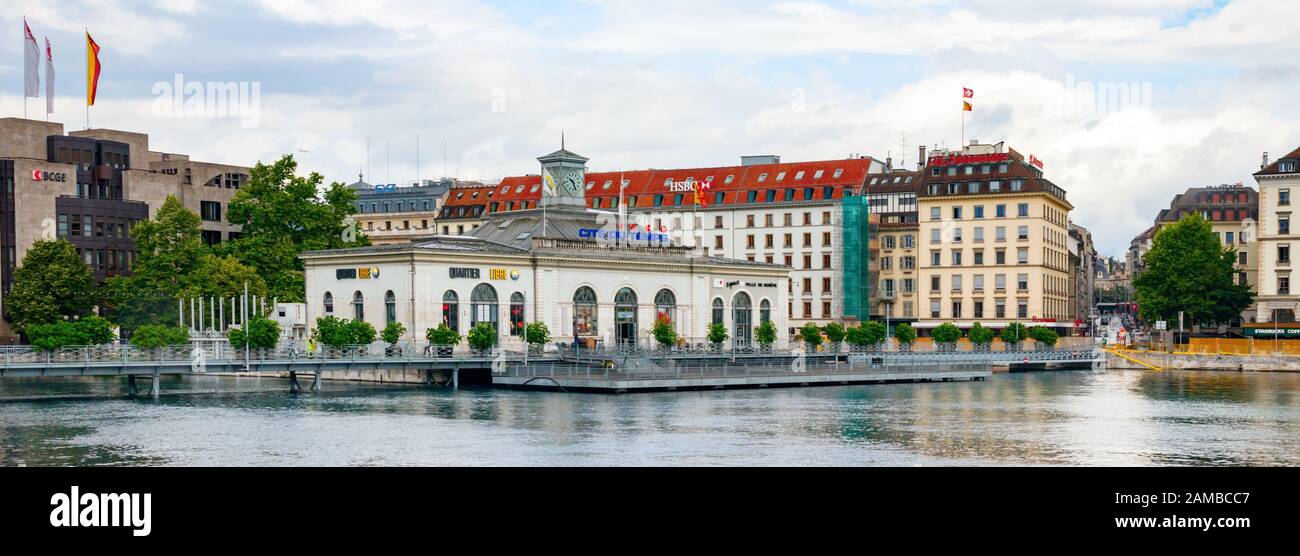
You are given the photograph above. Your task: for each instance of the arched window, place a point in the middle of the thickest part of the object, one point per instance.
(483, 306)
(390, 307)
(665, 305)
(625, 316)
(329, 303)
(517, 314)
(451, 310)
(584, 312)
(765, 311)
(742, 309)
(358, 306)
(717, 311)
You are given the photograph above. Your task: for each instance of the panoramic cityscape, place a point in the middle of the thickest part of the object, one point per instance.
(490, 234)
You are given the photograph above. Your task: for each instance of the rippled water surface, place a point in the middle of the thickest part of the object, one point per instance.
(1053, 418)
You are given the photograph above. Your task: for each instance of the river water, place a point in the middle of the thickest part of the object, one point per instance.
(1047, 418)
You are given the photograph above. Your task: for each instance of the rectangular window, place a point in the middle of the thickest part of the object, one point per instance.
(1000, 211)
(934, 283)
(1022, 210)
(934, 309)
(979, 282)
(1022, 233)
(956, 257)
(935, 234)
(935, 213)
(1283, 285)
(1283, 254)
(1022, 255)
(1284, 197)
(956, 213)
(956, 309)
(1000, 309)
(979, 257)
(1022, 282)
(979, 211)
(1284, 225)
(956, 282)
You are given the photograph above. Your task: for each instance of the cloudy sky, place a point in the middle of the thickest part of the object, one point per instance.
(1209, 85)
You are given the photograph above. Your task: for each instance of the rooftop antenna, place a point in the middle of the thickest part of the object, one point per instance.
(902, 149)
(417, 159)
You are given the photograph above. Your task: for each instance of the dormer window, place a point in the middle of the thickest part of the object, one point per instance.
(1286, 166)
(730, 178)
(519, 189)
(780, 176)
(799, 175)
(839, 172)
(535, 188)
(762, 178)
(819, 174)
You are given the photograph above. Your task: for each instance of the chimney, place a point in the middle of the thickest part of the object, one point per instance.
(920, 160)
(889, 163)
(1265, 164)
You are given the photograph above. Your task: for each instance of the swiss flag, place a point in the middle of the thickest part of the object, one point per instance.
(967, 93)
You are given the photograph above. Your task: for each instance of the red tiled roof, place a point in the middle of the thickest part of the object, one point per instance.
(1272, 169)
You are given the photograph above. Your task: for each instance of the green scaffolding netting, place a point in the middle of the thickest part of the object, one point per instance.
(856, 244)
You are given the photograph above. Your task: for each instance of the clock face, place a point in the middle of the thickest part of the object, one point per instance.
(573, 181)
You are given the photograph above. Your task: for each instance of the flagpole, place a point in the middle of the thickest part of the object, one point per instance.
(87, 29)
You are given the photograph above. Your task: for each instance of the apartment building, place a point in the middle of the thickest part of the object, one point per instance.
(1276, 300)
(391, 213)
(92, 186)
(1232, 211)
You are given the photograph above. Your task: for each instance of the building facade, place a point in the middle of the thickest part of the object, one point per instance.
(1276, 300)
(1232, 211)
(994, 242)
(397, 214)
(91, 187)
(559, 263)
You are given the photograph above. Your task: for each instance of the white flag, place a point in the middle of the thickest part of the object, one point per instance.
(548, 185)
(31, 64)
(49, 77)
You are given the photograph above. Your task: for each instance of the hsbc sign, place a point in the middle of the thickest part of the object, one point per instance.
(42, 175)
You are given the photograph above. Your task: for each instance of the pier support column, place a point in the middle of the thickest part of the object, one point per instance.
(157, 387)
(428, 377)
(455, 379)
(131, 388)
(315, 383)
(294, 387)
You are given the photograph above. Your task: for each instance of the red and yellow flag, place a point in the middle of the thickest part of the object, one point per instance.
(92, 70)
(966, 107)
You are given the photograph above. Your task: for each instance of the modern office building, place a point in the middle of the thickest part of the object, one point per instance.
(91, 187)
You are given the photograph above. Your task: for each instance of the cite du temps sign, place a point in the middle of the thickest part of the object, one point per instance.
(356, 274)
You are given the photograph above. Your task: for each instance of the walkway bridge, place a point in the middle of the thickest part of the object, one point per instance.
(617, 369)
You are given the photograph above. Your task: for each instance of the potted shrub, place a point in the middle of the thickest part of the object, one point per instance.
(1013, 335)
(811, 335)
(765, 335)
(873, 334)
(835, 335)
(482, 337)
(442, 340)
(393, 334)
(536, 335)
(664, 333)
(905, 335)
(946, 336)
(717, 335)
(1046, 338)
(980, 336)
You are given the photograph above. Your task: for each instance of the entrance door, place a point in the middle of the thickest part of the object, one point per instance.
(743, 316)
(625, 317)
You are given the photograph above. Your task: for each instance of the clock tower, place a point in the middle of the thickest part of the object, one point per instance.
(567, 173)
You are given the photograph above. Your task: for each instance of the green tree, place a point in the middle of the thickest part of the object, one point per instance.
(980, 335)
(443, 335)
(905, 334)
(89, 331)
(361, 333)
(263, 333)
(51, 284)
(663, 332)
(1189, 270)
(537, 334)
(811, 334)
(765, 334)
(873, 332)
(483, 336)
(1046, 337)
(718, 333)
(1013, 334)
(946, 333)
(283, 214)
(834, 332)
(393, 333)
(158, 335)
